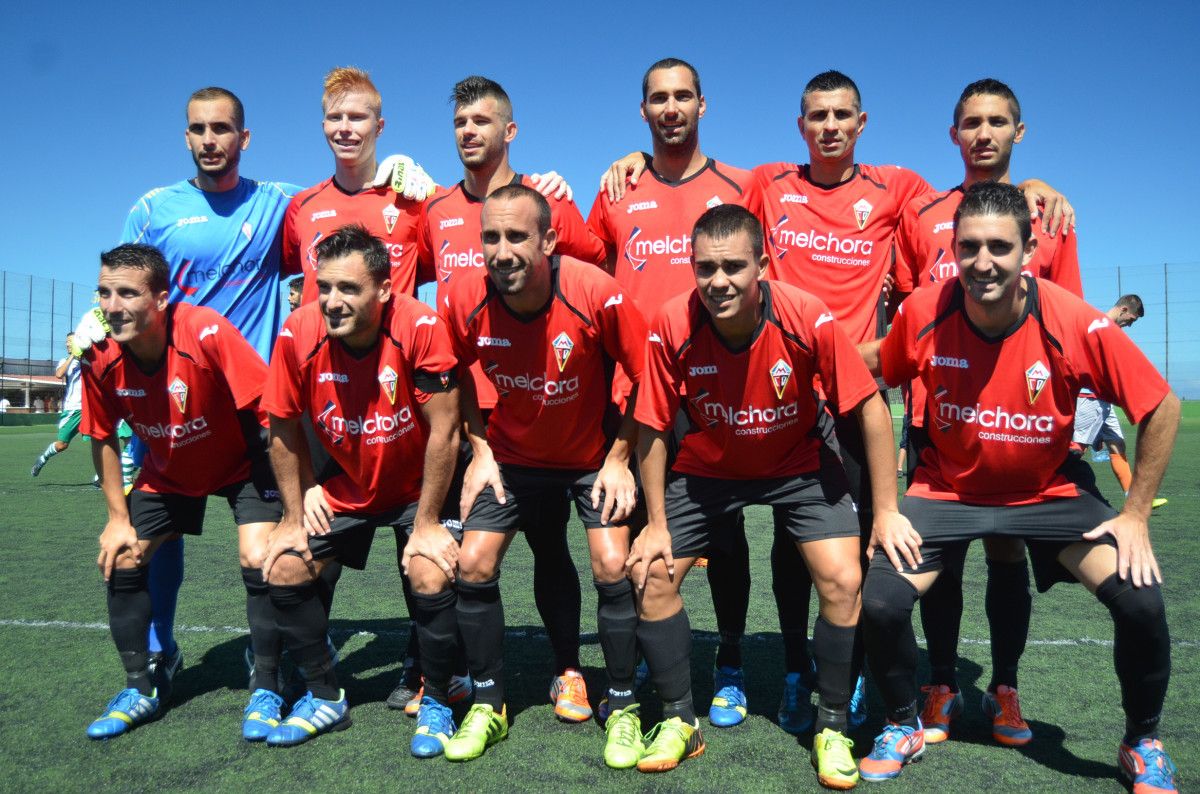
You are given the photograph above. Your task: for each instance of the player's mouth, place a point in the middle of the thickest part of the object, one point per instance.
(212, 158)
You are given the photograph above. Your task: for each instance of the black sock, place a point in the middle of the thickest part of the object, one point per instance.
(265, 639)
(129, 621)
(1009, 603)
(326, 583)
(1141, 653)
(481, 626)
(413, 649)
(729, 584)
(667, 646)
(556, 588)
(436, 622)
(616, 623)
(302, 621)
(792, 586)
(834, 648)
(888, 600)
(941, 616)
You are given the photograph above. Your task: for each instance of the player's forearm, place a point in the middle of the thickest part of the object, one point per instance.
(106, 457)
(627, 434)
(60, 371)
(441, 455)
(287, 461)
(652, 466)
(472, 417)
(876, 421)
(870, 356)
(1156, 440)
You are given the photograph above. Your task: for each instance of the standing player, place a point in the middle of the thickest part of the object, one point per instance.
(987, 125)
(1003, 356)
(449, 247)
(740, 355)
(547, 331)
(1096, 423)
(189, 385)
(375, 371)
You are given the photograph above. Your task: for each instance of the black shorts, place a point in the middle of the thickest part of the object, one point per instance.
(702, 510)
(351, 534)
(530, 493)
(1046, 527)
(156, 514)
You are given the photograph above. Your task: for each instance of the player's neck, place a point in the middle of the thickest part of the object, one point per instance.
(975, 175)
(675, 164)
(221, 184)
(352, 177)
(534, 297)
(148, 347)
(736, 332)
(489, 178)
(831, 172)
(993, 320)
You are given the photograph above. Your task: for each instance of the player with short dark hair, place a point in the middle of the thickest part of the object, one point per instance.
(189, 385)
(987, 126)
(1003, 356)
(740, 355)
(375, 371)
(547, 331)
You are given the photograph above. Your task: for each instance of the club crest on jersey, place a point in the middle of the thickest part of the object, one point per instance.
(178, 391)
(562, 349)
(1035, 379)
(938, 395)
(387, 379)
(862, 211)
(781, 373)
(390, 215)
(324, 421)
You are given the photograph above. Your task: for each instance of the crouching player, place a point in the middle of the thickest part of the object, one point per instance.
(375, 371)
(547, 332)
(1003, 357)
(189, 385)
(745, 352)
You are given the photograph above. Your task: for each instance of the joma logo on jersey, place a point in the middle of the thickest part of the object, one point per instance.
(862, 212)
(638, 206)
(706, 369)
(209, 330)
(781, 373)
(390, 216)
(1035, 380)
(563, 346)
(179, 224)
(492, 341)
(638, 251)
(447, 223)
(179, 393)
(949, 361)
(995, 418)
(332, 377)
(131, 392)
(387, 380)
(320, 214)
(945, 226)
(793, 198)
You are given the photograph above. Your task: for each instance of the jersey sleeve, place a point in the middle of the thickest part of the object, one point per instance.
(137, 221)
(431, 353)
(897, 353)
(574, 238)
(661, 382)
(622, 330)
(100, 416)
(281, 394)
(290, 262)
(1064, 268)
(907, 256)
(844, 377)
(238, 363)
(911, 185)
(600, 225)
(1117, 371)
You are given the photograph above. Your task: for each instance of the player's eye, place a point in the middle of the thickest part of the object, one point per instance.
(490, 238)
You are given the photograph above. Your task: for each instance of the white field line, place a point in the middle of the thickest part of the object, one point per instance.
(587, 638)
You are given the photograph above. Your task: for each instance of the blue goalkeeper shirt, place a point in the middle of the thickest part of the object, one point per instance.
(223, 248)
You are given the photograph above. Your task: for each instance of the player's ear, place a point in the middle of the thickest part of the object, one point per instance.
(379, 124)
(862, 121)
(1020, 132)
(763, 261)
(1030, 246)
(245, 136)
(160, 300)
(702, 107)
(642, 110)
(510, 131)
(954, 134)
(385, 290)
(549, 240)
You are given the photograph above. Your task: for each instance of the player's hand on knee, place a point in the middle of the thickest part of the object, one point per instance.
(893, 533)
(317, 512)
(612, 181)
(435, 543)
(483, 472)
(1135, 556)
(616, 485)
(117, 537)
(288, 535)
(552, 185)
(653, 544)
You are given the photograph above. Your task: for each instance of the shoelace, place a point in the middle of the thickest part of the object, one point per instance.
(477, 719)
(573, 688)
(656, 736)
(1010, 708)
(730, 687)
(626, 728)
(1160, 770)
(437, 719)
(305, 708)
(837, 738)
(887, 740)
(125, 700)
(263, 700)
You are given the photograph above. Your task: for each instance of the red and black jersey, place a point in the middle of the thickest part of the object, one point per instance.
(648, 233)
(449, 245)
(1000, 411)
(317, 212)
(552, 370)
(925, 246)
(834, 241)
(366, 407)
(186, 409)
(752, 410)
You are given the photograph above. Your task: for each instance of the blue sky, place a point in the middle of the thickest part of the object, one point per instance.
(96, 92)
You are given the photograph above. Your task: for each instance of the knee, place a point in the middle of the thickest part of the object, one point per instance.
(844, 587)
(608, 566)
(289, 570)
(1142, 606)
(475, 565)
(425, 577)
(127, 562)
(251, 558)
(887, 597)
(660, 589)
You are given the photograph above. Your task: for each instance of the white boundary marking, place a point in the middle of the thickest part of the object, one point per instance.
(587, 637)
